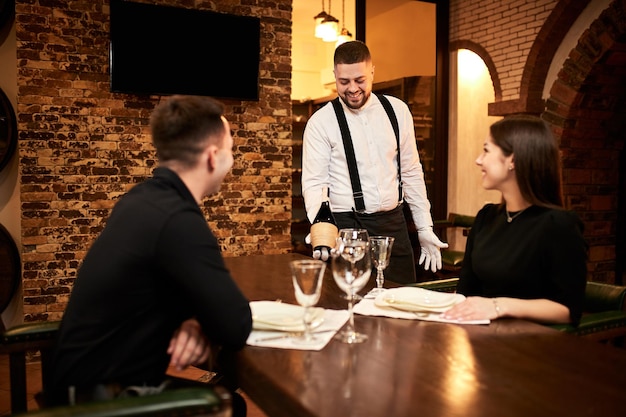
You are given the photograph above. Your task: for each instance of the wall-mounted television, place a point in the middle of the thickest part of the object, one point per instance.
(165, 50)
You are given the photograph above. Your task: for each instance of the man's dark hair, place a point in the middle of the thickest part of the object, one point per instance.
(351, 53)
(183, 125)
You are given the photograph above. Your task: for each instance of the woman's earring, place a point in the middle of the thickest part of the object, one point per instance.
(510, 167)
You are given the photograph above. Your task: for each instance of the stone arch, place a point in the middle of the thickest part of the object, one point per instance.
(484, 55)
(587, 112)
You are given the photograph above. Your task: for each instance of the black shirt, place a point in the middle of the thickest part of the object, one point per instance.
(155, 264)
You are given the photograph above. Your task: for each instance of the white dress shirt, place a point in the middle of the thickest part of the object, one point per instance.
(324, 161)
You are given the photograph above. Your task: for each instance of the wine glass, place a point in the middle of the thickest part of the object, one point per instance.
(348, 236)
(380, 246)
(307, 276)
(351, 266)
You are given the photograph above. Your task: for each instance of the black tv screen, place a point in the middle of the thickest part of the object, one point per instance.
(167, 50)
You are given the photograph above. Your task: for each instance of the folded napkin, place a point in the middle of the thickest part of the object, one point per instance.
(368, 307)
(333, 320)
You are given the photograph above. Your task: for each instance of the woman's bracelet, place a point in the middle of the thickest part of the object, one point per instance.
(496, 306)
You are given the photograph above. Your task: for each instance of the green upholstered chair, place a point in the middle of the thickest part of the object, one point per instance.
(604, 317)
(200, 401)
(452, 259)
(20, 341)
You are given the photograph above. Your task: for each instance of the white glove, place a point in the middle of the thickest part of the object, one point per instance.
(430, 249)
(319, 252)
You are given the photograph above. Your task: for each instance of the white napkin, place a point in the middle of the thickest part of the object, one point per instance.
(333, 321)
(368, 307)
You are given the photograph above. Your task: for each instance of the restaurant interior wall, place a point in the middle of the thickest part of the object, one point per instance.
(81, 147)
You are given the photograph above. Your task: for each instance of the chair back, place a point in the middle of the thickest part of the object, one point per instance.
(452, 260)
(207, 402)
(461, 220)
(19, 341)
(602, 297)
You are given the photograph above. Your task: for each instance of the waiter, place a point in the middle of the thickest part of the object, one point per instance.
(362, 147)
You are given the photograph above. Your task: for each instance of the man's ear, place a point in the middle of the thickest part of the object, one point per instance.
(210, 157)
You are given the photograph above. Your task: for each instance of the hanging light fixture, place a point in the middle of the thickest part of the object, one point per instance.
(330, 26)
(319, 29)
(330, 29)
(345, 34)
(344, 37)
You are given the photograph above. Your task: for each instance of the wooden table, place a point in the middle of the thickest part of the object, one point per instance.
(509, 368)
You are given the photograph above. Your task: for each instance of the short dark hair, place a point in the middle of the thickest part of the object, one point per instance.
(351, 53)
(535, 155)
(182, 126)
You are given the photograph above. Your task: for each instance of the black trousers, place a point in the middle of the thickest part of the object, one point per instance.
(401, 267)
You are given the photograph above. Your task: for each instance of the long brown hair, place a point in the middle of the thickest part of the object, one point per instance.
(535, 155)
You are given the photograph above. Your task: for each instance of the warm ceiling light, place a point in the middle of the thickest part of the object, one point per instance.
(330, 26)
(345, 36)
(319, 29)
(326, 25)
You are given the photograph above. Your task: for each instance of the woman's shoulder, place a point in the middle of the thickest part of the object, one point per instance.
(561, 218)
(486, 215)
(488, 210)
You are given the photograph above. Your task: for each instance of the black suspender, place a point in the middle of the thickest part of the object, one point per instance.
(396, 129)
(357, 192)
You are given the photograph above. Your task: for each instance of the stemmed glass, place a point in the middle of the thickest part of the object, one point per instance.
(348, 236)
(307, 276)
(381, 253)
(351, 266)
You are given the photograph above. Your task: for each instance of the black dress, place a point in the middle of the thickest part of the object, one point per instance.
(540, 254)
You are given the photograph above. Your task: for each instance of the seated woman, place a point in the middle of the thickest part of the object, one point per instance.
(525, 257)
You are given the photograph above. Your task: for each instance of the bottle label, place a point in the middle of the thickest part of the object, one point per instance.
(324, 234)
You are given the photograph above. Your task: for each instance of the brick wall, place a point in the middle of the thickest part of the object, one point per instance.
(588, 113)
(82, 147)
(506, 29)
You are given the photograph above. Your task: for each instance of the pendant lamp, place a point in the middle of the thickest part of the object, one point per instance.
(319, 18)
(345, 34)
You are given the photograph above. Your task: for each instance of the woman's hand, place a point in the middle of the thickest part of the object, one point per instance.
(474, 308)
(480, 308)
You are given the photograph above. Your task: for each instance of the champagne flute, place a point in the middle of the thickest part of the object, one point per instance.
(307, 276)
(351, 266)
(380, 247)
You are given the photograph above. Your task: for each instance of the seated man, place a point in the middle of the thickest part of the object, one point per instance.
(153, 289)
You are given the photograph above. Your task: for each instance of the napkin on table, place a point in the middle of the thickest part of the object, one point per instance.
(333, 321)
(368, 307)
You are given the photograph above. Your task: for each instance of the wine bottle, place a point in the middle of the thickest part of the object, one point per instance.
(324, 229)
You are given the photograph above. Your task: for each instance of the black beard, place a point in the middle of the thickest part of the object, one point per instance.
(361, 103)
